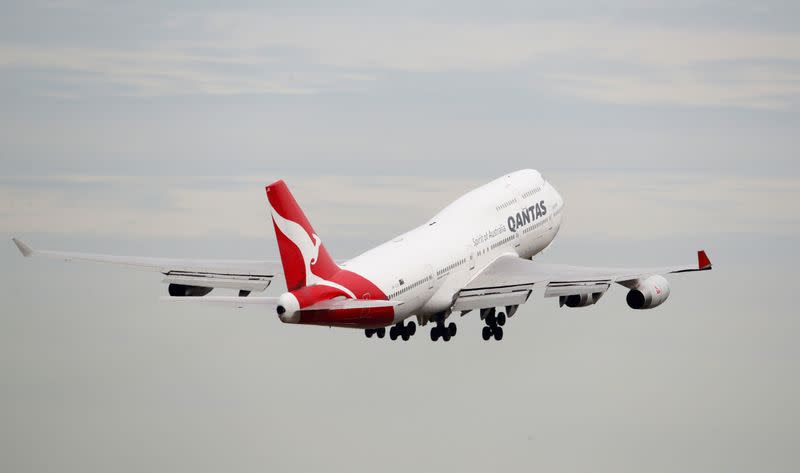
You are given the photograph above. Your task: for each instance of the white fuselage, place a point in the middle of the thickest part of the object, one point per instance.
(519, 213)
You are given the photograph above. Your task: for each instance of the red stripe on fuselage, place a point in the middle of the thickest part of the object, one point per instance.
(375, 317)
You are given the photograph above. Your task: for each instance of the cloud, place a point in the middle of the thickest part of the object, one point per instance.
(596, 205)
(254, 51)
(764, 89)
(654, 205)
(151, 73)
(188, 207)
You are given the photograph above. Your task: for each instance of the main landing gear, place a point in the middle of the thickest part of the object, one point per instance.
(401, 330)
(495, 320)
(380, 332)
(445, 332)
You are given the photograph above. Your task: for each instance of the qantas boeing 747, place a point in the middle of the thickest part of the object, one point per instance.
(474, 255)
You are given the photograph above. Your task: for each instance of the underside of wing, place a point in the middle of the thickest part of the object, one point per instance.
(509, 280)
(182, 274)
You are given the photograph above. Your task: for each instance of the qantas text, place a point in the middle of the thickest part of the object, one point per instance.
(531, 214)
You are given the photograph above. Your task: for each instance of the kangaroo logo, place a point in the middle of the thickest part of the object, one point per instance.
(309, 249)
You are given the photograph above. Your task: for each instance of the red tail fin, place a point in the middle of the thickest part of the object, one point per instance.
(303, 255)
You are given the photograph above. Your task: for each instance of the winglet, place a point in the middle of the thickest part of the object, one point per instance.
(22, 247)
(702, 260)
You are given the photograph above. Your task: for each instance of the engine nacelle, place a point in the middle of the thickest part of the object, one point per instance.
(182, 290)
(580, 300)
(648, 293)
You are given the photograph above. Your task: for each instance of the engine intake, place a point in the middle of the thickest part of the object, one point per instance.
(648, 293)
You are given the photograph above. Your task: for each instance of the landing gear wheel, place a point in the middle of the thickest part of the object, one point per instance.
(368, 332)
(501, 319)
(498, 333)
(446, 337)
(452, 329)
(380, 332)
(487, 333)
(435, 333)
(490, 319)
(405, 336)
(411, 328)
(393, 333)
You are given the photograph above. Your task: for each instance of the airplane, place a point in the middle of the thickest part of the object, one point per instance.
(474, 255)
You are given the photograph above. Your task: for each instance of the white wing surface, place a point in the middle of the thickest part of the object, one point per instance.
(244, 275)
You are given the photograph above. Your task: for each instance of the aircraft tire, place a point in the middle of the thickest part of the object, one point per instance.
(501, 319)
(498, 333)
(487, 333)
(452, 329)
(380, 332)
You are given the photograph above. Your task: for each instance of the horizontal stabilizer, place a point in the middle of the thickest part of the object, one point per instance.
(230, 301)
(272, 302)
(342, 304)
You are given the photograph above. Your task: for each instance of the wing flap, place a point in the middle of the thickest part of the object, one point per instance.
(511, 270)
(575, 288)
(222, 281)
(468, 300)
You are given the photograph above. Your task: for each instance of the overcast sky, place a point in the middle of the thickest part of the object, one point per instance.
(151, 128)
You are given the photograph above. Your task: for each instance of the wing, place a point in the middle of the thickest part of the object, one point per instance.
(243, 275)
(509, 280)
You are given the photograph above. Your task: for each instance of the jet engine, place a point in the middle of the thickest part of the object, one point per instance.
(579, 300)
(182, 290)
(648, 293)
